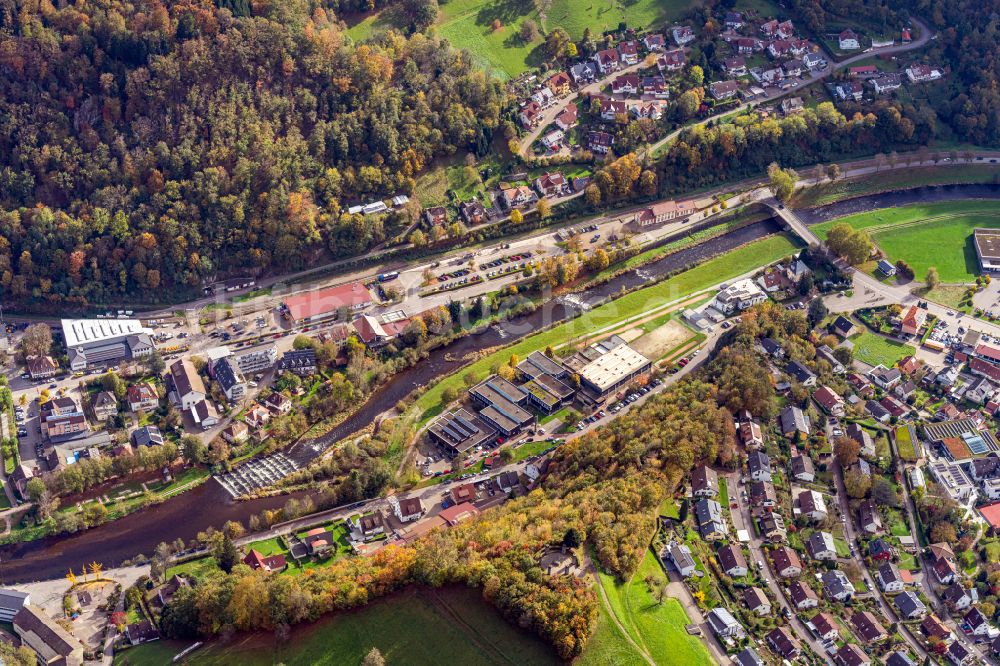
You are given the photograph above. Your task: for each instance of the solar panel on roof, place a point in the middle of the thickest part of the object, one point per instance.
(457, 426)
(465, 422)
(451, 433)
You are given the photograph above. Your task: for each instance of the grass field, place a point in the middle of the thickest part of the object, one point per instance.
(875, 350)
(417, 627)
(897, 179)
(924, 235)
(904, 444)
(658, 627)
(697, 279)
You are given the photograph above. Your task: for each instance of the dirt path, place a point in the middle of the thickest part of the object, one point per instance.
(614, 618)
(481, 641)
(626, 324)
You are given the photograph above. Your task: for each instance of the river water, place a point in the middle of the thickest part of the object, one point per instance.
(210, 505)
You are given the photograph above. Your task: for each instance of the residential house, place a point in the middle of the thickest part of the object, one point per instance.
(783, 643)
(959, 655)
(846, 90)
(944, 570)
(518, 197)
(738, 296)
(551, 184)
(763, 495)
(786, 562)
(868, 518)
(886, 83)
(568, 118)
(147, 436)
(748, 657)
(877, 411)
(848, 40)
(277, 403)
(792, 105)
(543, 97)
(654, 86)
(255, 560)
(802, 595)
(731, 560)
(802, 468)
(529, 113)
(553, 139)
(141, 632)
(607, 61)
(600, 142)
(654, 42)
(813, 61)
(583, 72)
(836, 585)
(979, 625)
(821, 546)
(747, 46)
(910, 606)
(661, 212)
(759, 466)
(473, 212)
(888, 578)
(236, 433)
(825, 626)
(204, 414)
(436, 216)
(801, 373)
(919, 73)
(885, 378)
(812, 505)
(867, 627)
(683, 35)
(723, 90)
(829, 401)
(772, 527)
(188, 387)
(704, 482)
(793, 68)
(724, 625)
(628, 52)
(671, 61)
(318, 541)
(736, 66)
(105, 405)
(851, 655)
(407, 509)
(680, 556)
(772, 348)
(793, 420)
(750, 432)
(142, 397)
(710, 520)
(257, 417)
(933, 627)
(558, 83)
(843, 327)
(958, 597)
(913, 320)
(233, 384)
(734, 20)
(880, 550)
(859, 434)
(41, 367)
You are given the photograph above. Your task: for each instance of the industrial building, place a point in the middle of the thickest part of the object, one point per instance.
(612, 368)
(987, 243)
(458, 431)
(502, 404)
(105, 342)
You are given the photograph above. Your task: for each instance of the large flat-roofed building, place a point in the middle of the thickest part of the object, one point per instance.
(538, 363)
(11, 603)
(458, 431)
(612, 369)
(314, 305)
(502, 405)
(987, 243)
(94, 342)
(547, 393)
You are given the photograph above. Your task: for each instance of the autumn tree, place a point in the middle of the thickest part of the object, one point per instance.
(544, 208)
(933, 279)
(37, 340)
(781, 181)
(845, 241)
(846, 449)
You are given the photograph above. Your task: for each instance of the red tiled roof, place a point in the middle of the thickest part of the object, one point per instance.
(986, 351)
(329, 300)
(991, 513)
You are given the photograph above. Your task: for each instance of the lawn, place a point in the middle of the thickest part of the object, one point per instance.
(699, 278)
(268, 547)
(415, 627)
(608, 646)
(194, 568)
(875, 350)
(924, 235)
(897, 179)
(904, 444)
(658, 627)
(723, 492)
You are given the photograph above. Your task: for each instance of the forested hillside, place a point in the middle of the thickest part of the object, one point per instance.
(145, 146)
(968, 43)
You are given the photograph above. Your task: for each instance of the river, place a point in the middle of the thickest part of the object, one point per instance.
(210, 505)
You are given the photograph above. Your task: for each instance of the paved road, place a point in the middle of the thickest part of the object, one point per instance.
(742, 519)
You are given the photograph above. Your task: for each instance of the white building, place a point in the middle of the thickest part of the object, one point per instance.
(95, 342)
(738, 297)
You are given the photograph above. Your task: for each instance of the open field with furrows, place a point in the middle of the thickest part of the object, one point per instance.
(699, 278)
(416, 627)
(657, 627)
(924, 235)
